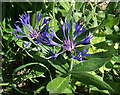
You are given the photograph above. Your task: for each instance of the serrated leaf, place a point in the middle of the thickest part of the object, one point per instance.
(58, 85)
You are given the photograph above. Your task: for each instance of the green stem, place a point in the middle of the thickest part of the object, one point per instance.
(53, 9)
(71, 64)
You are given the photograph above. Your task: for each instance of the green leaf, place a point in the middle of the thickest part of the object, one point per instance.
(115, 86)
(3, 23)
(39, 57)
(113, 37)
(65, 5)
(23, 66)
(83, 47)
(90, 79)
(106, 54)
(4, 84)
(37, 71)
(116, 28)
(68, 90)
(59, 63)
(58, 85)
(95, 22)
(107, 51)
(77, 15)
(116, 59)
(39, 89)
(97, 38)
(54, 24)
(111, 6)
(112, 22)
(20, 43)
(69, 14)
(101, 25)
(78, 5)
(90, 65)
(90, 15)
(101, 14)
(108, 30)
(63, 12)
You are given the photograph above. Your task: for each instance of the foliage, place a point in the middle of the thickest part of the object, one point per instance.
(29, 72)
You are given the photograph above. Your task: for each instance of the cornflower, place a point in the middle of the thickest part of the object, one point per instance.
(69, 44)
(34, 33)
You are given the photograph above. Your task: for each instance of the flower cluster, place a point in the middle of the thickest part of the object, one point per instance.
(69, 44)
(33, 32)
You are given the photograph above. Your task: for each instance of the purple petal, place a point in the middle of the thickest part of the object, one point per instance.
(86, 40)
(64, 30)
(54, 34)
(19, 29)
(29, 18)
(76, 26)
(18, 36)
(26, 45)
(55, 55)
(77, 57)
(51, 42)
(69, 27)
(85, 52)
(39, 17)
(80, 31)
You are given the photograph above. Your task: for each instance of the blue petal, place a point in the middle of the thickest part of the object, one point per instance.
(54, 34)
(29, 18)
(85, 52)
(51, 42)
(76, 29)
(39, 17)
(18, 36)
(69, 27)
(86, 40)
(26, 45)
(19, 29)
(80, 31)
(64, 30)
(77, 57)
(55, 55)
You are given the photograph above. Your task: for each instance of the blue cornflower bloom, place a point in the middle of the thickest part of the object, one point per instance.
(69, 44)
(35, 33)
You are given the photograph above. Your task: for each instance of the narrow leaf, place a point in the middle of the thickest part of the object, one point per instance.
(90, 65)
(65, 5)
(90, 79)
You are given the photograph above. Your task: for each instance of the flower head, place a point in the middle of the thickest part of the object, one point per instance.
(35, 33)
(69, 44)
